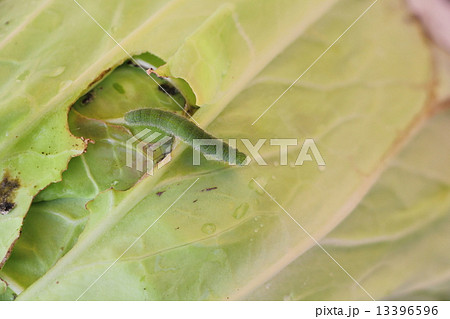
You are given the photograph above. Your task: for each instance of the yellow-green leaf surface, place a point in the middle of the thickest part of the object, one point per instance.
(58, 215)
(225, 238)
(51, 52)
(395, 242)
(47, 61)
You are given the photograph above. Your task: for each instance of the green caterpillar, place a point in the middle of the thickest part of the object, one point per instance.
(187, 132)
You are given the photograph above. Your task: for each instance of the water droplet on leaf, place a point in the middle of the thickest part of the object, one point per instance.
(241, 211)
(119, 88)
(55, 71)
(209, 228)
(23, 76)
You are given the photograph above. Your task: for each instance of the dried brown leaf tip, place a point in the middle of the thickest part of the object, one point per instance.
(8, 187)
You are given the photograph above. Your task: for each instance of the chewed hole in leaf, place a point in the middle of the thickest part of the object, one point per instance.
(92, 117)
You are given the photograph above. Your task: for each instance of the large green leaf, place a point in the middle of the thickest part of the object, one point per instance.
(47, 43)
(46, 62)
(360, 104)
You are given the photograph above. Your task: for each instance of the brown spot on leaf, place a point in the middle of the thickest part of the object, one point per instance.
(8, 187)
(87, 98)
(168, 88)
(209, 189)
(160, 193)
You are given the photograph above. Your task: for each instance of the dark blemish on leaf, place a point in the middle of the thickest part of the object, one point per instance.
(57, 282)
(8, 187)
(88, 98)
(99, 77)
(191, 109)
(168, 88)
(130, 62)
(195, 201)
(160, 193)
(177, 228)
(209, 189)
(7, 22)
